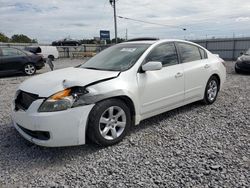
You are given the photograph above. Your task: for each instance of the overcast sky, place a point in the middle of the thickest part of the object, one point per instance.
(48, 20)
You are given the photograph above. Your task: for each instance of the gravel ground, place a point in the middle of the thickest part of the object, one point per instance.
(192, 146)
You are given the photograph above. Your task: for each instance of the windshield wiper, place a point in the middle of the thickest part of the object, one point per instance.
(93, 68)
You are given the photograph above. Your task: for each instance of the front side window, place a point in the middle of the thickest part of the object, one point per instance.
(11, 52)
(164, 53)
(117, 58)
(189, 52)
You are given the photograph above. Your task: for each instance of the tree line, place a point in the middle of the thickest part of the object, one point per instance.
(20, 38)
(17, 38)
(93, 41)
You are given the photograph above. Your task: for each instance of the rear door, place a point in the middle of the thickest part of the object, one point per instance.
(196, 70)
(12, 59)
(162, 89)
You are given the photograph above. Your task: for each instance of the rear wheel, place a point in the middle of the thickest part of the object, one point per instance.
(212, 89)
(29, 69)
(109, 122)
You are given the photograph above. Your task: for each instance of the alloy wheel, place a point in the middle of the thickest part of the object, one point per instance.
(112, 123)
(29, 69)
(212, 90)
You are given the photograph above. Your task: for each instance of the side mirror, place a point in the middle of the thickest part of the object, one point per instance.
(152, 66)
(241, 53)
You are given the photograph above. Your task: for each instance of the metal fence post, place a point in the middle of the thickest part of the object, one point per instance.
(67, 52)
(234, 45)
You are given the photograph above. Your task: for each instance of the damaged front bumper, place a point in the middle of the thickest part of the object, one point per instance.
(63, 128)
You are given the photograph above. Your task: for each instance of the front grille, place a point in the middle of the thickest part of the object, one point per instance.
(41, 135)
(24, 100)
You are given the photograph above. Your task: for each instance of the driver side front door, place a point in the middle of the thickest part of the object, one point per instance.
(163, 89)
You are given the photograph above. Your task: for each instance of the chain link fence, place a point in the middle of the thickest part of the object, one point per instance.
(227, 48)
(84, 50)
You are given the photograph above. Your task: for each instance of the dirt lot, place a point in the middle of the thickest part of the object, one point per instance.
(192, 146)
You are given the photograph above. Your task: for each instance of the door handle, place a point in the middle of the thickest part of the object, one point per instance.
(206, 66)
(179, 74)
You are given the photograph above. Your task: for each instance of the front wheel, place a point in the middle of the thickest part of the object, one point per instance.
(212, 89)
(237, 70)
(109, 122)
(29, 69)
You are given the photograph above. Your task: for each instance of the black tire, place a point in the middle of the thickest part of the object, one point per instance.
(237, 70)
(51, 57)
(29, 69)
(207, 99)
(94, 124)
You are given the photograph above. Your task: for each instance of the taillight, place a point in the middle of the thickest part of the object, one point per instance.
(41, 57)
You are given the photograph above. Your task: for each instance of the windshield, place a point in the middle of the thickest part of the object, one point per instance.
(248, 52)
(116, 58)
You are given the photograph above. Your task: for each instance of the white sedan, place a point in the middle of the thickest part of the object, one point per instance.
(119, 87)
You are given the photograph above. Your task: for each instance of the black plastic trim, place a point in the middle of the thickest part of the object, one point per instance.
(40, 135)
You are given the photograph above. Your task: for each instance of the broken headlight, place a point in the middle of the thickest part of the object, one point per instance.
(68, 98)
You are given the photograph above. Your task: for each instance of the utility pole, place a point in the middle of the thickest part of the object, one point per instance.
(126, 34)
(113, 2)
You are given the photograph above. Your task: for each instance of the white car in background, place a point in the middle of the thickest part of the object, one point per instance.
(114, 90)
(47, 52)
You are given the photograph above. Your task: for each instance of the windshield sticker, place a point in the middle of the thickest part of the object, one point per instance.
(128, 49)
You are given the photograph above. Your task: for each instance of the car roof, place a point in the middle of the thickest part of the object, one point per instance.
(151, 42)
(140, 42)
(157, 41)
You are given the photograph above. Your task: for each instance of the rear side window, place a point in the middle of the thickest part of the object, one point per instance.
(11, 52)
(165, 53)
(189, 52)
(203, 53)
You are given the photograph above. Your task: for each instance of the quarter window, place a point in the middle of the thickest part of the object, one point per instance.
(165, 53)
(203, 53)
(189, 52)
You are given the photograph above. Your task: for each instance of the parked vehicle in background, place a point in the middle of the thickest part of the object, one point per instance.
(243, 62)
(50, 52)
(114, 90)
(13, 60)
(66, 42)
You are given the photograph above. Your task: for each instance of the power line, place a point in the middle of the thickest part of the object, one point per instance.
(126, 18)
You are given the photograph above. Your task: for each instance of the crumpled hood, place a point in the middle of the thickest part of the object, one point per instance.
(49, 83)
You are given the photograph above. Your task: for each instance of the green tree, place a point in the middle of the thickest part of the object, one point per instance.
(22, 39)
(3, 38)
(87, 41)
(119, 40)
